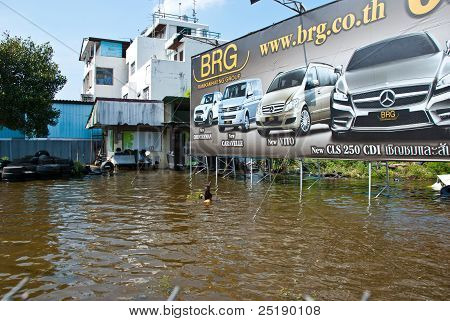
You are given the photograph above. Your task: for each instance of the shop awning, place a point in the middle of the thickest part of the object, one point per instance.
(119, 112)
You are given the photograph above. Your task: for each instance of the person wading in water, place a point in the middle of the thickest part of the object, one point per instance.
(207, 197)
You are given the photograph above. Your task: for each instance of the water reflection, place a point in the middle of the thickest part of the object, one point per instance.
(134, 237)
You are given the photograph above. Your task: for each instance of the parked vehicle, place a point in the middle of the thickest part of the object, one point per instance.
(297, 99)
(208, 110)
(239, 104)
(398, 84)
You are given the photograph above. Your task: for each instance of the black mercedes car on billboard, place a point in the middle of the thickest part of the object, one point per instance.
(398, 84)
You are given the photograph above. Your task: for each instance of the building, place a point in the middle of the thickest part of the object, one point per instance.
(69, 138)
(105, 70)
(155, 66)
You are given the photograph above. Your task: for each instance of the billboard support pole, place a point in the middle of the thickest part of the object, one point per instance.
(251, 172)
(370, 180)
(301, 177)
(387, 177)
(387, 186)
(217, 171)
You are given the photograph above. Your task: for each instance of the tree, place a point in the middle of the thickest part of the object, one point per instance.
(29, 81)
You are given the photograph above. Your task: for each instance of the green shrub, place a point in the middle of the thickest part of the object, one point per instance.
(78, 169)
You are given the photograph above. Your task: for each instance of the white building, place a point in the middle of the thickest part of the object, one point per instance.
(155, 66)
(105, 70)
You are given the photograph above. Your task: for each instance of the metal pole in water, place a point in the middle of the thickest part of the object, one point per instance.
(217, 171)
(251, 172)
(190, 167)
(387, 176)
(370, 182)
(301, 177)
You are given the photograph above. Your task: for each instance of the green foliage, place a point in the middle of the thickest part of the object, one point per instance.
(78, 169)
(360, 169)
(187, 93)
(4, 158)
(29, 81)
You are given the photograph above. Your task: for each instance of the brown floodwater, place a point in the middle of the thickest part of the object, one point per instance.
(134, 238)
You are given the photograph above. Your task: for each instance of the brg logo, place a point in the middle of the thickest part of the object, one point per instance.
(422, 7)
(219, 63)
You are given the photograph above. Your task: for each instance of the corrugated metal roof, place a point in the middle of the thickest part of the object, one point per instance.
(112, 112)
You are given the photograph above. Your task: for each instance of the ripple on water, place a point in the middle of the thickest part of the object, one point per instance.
(105, 238)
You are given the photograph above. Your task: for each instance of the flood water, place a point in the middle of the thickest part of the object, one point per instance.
(134, 238)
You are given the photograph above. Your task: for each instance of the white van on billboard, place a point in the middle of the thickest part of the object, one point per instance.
(239, 105)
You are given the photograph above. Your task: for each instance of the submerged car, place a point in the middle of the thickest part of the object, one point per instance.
(239, 104)
(398, 84)
(208, 110)
(297, 99)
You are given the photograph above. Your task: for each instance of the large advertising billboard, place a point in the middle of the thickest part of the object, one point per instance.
(354, 79)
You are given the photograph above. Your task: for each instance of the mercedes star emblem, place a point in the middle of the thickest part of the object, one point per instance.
(387, 98)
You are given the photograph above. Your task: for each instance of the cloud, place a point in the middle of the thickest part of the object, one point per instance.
(173, 6)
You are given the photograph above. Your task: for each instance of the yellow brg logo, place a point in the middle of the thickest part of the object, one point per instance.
(420, 7)
(220, 62)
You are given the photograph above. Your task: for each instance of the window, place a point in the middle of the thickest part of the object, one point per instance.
(104, 76)
(287, 80)
(181, 55)
(312, 76)
(393, 50)
(183, 30)
(326, 77)
(207, 99)
(234, 91)
(132, 68)
(146, 94)
(175, 57)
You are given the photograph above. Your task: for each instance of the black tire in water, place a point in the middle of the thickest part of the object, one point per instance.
(48, 171)
(42, 152)
(13, 173)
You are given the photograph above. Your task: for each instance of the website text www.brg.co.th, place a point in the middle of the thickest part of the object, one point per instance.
(318, 34)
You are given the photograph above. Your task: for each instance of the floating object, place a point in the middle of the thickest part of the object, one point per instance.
(208, 202)
(13, 173)
(442, 185)
(445, 191)
(441, 182)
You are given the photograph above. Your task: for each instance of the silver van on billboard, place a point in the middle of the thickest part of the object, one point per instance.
(297, 99)
(398, 84)
(239, 104)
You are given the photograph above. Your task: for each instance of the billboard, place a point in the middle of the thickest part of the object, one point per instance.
(353, 79)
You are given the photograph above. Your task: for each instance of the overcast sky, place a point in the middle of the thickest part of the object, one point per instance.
(64, 23)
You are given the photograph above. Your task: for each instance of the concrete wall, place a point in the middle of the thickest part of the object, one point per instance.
(169, 78)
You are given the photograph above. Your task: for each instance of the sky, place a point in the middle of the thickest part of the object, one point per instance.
(65, 23)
